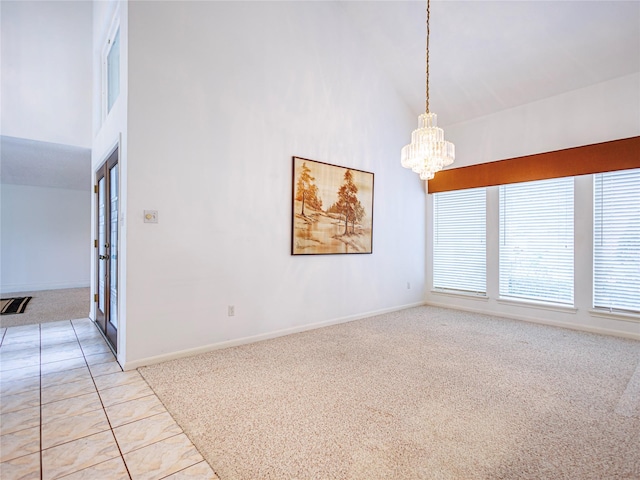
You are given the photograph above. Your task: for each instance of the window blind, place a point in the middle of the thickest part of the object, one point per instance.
(536, 240)
(616, 243)
(459, 241)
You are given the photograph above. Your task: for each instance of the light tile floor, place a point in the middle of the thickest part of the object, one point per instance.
(68, 411)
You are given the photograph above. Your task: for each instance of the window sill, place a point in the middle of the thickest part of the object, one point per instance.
(627, 317)
(455, 293)
(541, 305)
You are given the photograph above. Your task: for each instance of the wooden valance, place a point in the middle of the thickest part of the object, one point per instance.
(597, 158)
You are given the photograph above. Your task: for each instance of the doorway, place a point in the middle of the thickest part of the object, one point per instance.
(106, 246)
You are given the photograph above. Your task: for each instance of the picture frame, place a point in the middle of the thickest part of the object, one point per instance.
(331, 209)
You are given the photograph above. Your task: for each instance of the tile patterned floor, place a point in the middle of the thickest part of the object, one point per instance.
(68, 411)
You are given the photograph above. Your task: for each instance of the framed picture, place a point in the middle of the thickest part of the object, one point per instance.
(332, 209)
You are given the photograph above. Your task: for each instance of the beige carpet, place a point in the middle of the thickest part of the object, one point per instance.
(50, 306)
(425, 393)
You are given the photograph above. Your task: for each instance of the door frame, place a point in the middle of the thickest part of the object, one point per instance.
(102, 318)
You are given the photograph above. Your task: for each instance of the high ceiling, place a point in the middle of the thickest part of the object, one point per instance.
(487, 56)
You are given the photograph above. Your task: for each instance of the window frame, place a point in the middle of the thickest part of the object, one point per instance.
(614, 226)
(482, 265)
(545, 294)
(112, 34)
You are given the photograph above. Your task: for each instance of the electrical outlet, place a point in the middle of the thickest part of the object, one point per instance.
(408, 285)
(150, 216)
(231, 310)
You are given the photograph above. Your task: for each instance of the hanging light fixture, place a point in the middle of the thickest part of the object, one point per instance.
(428, 151)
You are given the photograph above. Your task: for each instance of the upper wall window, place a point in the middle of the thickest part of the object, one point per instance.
(459, 241)
(616, 241)
(113, 70)
(536, 240)
(110, 62)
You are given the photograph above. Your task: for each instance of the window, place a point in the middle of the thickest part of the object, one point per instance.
(459, 240)
(113, 70)
(616, 242)
(536, 241)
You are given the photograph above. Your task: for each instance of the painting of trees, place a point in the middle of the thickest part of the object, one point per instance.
(349, 205)
(358, 214)
(307, 191)
(345, 226)
(347, 200)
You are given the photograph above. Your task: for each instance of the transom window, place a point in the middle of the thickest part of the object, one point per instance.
(113, 71)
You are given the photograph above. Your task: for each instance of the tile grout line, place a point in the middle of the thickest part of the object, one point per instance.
(183, 430)
(186, 468)
(40, 400)
(134, 421)
(104, 410)
(41, 404)
(41, 338)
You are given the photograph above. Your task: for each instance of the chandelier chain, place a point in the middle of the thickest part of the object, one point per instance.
(428, 151)
(427, 60)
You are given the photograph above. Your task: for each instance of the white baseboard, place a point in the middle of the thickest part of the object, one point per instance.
(258, 338)
(36, 287)
(541, 321)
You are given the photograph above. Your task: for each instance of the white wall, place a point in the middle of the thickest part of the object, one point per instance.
(221, 96)
(44, 238)
(46, 97)
(599, 113)
(46, 73)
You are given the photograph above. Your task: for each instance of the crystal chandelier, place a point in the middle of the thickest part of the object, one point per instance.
(428, 151)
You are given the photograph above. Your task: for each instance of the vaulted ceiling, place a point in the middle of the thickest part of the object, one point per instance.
(485, 56)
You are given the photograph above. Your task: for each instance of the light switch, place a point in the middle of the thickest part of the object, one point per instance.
(150, 216)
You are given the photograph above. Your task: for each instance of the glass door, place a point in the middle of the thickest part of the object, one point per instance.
(107, 191)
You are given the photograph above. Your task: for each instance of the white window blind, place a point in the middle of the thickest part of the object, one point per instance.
(459, 240)
(616, 243)
(536, 240)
